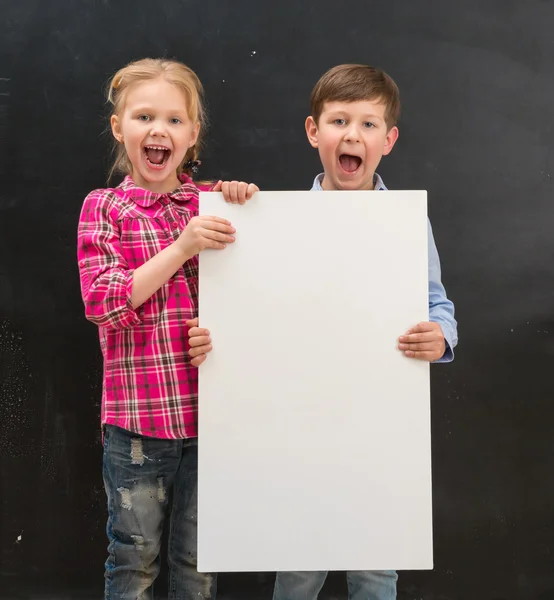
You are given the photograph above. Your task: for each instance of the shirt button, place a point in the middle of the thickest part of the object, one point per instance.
(174, 225)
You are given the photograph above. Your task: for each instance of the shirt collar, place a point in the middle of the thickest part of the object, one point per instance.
(378, 184)
(184, 193)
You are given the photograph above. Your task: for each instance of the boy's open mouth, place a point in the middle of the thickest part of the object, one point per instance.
(350, 163)
(157, 156)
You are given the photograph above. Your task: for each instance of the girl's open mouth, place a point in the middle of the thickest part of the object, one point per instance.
(156, 156)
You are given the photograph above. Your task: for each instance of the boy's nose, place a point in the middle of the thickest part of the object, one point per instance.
(351, 135)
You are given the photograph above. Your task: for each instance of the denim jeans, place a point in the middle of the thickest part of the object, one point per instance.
(148, 480)
(362, 585)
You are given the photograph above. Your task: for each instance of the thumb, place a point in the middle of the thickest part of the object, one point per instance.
(192, 322)
(218, 186)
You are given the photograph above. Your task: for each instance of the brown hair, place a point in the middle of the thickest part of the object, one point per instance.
(352, 83)
(174, 72)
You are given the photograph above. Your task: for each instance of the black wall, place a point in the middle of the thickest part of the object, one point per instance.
(477, 83)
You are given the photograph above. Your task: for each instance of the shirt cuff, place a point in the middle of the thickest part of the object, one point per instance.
(448, 355)
(130, 318)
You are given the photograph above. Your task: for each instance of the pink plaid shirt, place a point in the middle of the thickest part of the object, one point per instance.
(149, 385)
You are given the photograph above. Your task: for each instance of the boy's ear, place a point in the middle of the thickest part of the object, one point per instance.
(390, 140)
(116, 129)
(311, 131)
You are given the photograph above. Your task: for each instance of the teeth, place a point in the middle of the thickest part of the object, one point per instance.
(156, 147)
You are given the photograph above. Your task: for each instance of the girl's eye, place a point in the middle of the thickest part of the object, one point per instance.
(144, 118)
(175, 121)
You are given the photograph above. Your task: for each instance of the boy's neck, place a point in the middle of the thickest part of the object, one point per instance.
(327, 186)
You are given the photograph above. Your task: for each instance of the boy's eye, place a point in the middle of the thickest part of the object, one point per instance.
(175, 121)
(339, 122)
(369, 125)
(144, 118)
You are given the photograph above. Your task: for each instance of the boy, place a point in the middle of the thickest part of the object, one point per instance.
(354, 110)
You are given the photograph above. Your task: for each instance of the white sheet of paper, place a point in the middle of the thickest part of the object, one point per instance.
(314, 430)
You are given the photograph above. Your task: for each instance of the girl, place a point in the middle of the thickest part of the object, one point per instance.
(137, 249)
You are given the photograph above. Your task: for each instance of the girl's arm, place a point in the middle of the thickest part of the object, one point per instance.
(111, 290)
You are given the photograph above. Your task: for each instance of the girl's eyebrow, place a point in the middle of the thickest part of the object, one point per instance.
(150, 108)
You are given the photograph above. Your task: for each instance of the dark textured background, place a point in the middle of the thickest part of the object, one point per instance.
(477, 83)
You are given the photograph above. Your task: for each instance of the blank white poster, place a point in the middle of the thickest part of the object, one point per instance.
(314, 429)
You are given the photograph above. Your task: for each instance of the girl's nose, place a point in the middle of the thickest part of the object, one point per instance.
(158, 130)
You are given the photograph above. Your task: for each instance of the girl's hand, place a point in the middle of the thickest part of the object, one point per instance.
(200, 342)
(205, 232)
(236, 192)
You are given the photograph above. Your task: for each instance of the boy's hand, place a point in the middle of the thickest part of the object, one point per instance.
(200, 342)
(236, 192)
(425, 341)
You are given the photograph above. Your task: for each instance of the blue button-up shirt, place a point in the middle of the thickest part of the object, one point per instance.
(441, 309)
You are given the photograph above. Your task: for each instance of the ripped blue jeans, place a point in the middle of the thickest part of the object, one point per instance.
(148, 480)
(362, 585)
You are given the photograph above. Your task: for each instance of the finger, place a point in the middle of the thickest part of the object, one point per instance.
(217, 226)
(252, 189)
(204, 243)
(192, 323)
(198, 351)
(422, 327)
(412, 338)
(212, 219)
(200, 340)
(196, 362)
(233, 192)
(242, 189)
(426, 356)
(217, 186)
(212, 244)
(217, 236)
(424, 347)
(198, 331)
(225, 189)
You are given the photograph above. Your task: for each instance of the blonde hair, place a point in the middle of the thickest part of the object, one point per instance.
(351, 83)
(175, 73)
